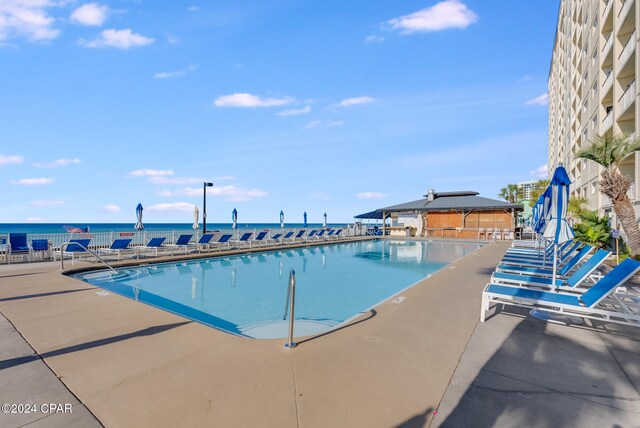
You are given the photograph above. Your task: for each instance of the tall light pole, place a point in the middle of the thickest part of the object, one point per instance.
(204, 206)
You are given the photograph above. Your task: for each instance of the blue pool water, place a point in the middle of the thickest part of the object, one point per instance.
(247, 294)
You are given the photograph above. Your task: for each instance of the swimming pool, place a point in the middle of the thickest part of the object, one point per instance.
(247, 294)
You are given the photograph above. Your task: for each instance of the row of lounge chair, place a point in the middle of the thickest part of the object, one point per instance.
(207, 242)
(524, 278)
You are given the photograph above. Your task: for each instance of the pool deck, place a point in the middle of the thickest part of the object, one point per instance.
(424, 361)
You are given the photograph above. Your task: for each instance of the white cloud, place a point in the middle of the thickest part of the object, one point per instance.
(110, 208)
(541, 100)
(171, 208)
(91, 14)
(374, 39)
(177, 73)
(441, 16)
(228, 193)
(295, 112)
(58, 163)
(371, 195)
(175, 180)
(193, 8)
(541, 172)
(320, 196)
(47, 203)
(33, 219)
(355, 101)
(33, 181)
(323, 124)
(27, 19)
(172, 40)
(145, 172)
(251, 101)
(11, 159)
(120, 39)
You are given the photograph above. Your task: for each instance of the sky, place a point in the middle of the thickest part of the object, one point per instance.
(297, 105)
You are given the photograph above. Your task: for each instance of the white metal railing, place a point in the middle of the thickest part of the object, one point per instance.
(628, 50)
(628, 97)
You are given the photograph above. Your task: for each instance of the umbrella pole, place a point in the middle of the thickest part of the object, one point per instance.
(555, 267)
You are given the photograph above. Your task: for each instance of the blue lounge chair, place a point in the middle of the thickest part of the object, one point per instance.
(543, 254)
(118, 246)
(40, 249)
(298, 235)
(224, 239)
(18, 246)
(260, 238)
(599, 302)
(547, 270)
(572, 282)
(76, 248)
(204, 242)
(154, 245)
(244, 239)
(337, 235)
(321, 235)
(311, 234)
(181, 242)
(275, 238)
(541, 261)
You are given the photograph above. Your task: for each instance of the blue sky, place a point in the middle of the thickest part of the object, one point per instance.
(321, 106)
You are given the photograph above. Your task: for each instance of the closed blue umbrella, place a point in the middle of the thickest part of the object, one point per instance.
(234, 218)
(139, 225)
(557, 228)
(281, 219)
(305, 219)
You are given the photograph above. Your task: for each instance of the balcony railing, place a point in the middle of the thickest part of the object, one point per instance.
(607, 45)
(607, 123)
(628, 50)
(628, 97)
(607, 9)
(624, 11)
(608, 82)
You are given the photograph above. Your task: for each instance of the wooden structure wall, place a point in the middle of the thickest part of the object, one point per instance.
(491, 219)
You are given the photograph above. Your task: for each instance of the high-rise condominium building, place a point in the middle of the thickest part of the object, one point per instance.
(592, 89)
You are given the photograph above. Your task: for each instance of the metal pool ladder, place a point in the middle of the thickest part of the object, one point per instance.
(66, 244)
(291, 297)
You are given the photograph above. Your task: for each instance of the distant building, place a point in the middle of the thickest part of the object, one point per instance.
(525, 188)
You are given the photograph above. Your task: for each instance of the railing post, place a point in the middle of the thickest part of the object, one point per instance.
(292, 303)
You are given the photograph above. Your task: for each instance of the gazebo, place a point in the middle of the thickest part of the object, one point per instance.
(461, 214)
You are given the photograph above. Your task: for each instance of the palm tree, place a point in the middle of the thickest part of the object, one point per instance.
(609, 150)
(576, 206)
(509, 193)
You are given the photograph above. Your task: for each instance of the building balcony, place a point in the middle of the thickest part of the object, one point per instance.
(607, 46)
(627, 51)
(607, 84)
(607, 10)
(627, 99)
(623, 14)
(607, 123)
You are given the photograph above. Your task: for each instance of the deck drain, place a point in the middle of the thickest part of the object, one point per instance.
(398, 300)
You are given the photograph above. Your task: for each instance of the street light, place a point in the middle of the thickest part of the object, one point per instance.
(204, 206)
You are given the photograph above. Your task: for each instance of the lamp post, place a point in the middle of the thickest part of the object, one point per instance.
(204, 206)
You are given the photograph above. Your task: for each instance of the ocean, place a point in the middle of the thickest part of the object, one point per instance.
(41, 228)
